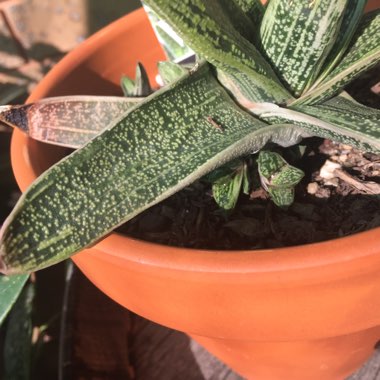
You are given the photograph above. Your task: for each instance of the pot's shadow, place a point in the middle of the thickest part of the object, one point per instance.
(105, 341)
(102, 340)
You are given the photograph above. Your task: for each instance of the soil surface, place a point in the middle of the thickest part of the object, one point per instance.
(339, 196)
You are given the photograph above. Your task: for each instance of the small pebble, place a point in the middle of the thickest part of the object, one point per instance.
(343, 158)
(332, 182)
(327, 170)
(312, 188)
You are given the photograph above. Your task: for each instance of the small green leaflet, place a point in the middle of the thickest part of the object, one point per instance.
(140, 87)
(226, 190)
(10, 288)
(278, 177)
(297, 36)
(170, 71)
(362, 54)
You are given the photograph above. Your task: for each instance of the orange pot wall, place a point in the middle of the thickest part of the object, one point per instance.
(310, 312)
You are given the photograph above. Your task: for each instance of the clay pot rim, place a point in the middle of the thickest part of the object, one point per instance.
(186, 259)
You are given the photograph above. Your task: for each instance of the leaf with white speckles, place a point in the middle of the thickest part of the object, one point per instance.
(278, 177)
(170, 71)
(363, 54)
(351, 19)
(297, 36)
(175, 136)
(70, 121)
(226, 190)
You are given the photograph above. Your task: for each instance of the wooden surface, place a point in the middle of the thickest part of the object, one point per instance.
(106, 342)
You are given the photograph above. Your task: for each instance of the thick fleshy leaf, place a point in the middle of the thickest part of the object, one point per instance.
(206, 28)
(177, 135)
(340, 119)
(254, 9)
(70, 121)
(226, 190)
(351, 19)
(278, 177)
(282, 196)
(170, 71)
(142, 85)
(297, 36)
(363, 54)
(10, 288)
(128, 85)
(18, 338)
(239, 20)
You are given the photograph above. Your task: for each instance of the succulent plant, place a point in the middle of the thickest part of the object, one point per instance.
(267, 74)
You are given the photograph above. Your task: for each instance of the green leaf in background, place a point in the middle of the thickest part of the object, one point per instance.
(170, 71)
(10, 288)
(70, 121)
(142, 85)
(206, 30)
(18, 338)
(363, 53)
(297, 36)
(351, 19)
(278, 177)
(226, 190)
(127, 85)
(174, 137)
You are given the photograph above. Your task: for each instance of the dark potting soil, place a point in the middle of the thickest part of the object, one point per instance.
(339, 196)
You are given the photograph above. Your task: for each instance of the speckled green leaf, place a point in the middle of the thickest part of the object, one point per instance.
(351, 19)
(206, 28)
(297, 36)
(18, 338)
(177, 135)
(363, 54)
(340, 119)
(170, 71)
(226, 190)
(278, 177)
(282, 197)
(288, 176)
(10, 288)
(70, 121)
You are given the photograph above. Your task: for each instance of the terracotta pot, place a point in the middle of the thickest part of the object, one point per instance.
(308, 312)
